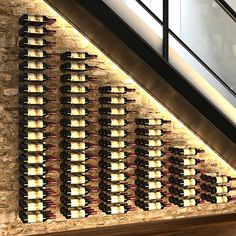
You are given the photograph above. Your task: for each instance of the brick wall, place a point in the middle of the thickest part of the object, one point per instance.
(69, 39)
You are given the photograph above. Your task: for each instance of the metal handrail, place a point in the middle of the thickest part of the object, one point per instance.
(227, 8)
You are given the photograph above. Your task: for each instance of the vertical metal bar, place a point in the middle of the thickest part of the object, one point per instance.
(165, 29)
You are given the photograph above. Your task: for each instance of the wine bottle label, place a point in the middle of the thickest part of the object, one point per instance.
(32, 206)
(34, 183)
(34, 30)
(117, 111)
(34, 53)
(35, 18)
(35, 89)
(154, 174)
(117, 155)
(187, 172)
(78, 78)
(189, 182)
(154, 185)
(189, 192)
(34, 112)
(35, 100)
(77, 123)
(154, 143)
(117, 166)
(115, 188)
(77, 55)
(117, 199)
(189, 162)
(31, 159)
(35, 135)
(77, 168)
(78, 89)
(78, 112)
(189, 202)
(77, 214)
(221, 189)
(33, 218)
(117, 90)
(117, 210)
(35, 41)
(78, 202)
(78, 100)
(221, 179)
(154, 132)
(78, 146)
(77, 134)
(117, 177)
(221, 199)
(117, 122)
(33, 147)
(115, 100)
(35, 77)
(78, 179)
(154, 164)
(77, 66)
(154, 206)
(154, 195)
(35, 194)
(77, 157)
(34, 123)
(78, 191)
(117, 144)
(154, 122)
(35, 65)
(154, 153)
(35, 171)
(189, 151)
(117, 133)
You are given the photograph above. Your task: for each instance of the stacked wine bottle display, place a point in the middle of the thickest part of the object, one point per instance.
(150, 164)
(76, 177)
(34, 157)
(184, 177)
(113, 153)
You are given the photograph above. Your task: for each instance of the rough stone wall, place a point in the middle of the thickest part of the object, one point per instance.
(69, 39)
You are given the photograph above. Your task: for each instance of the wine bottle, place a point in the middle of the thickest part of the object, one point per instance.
(75, 123)
(75, 89)
(150, 206)
(184, 171)
(184, 161)
(35, 20)
(37, 100)
(76, 146)
(75, 134)
(76, 213)
(113, 111)
(219, 179)
(76, 191)
(217, 199)
(35, 65)
(30, 88)
(185, 151)
(35, 181)
(113, 177)
(113, 122)
(151, 122)
(74, 111)
(75, 78)
(76, 56)
(77, 179)
(114, 166)
(113, 133)
(150, 153)
(114, 143)
(205, 176)
(35, 135)
(76, 157)
(29, 42)
(218, 189)
(75, 202)
(183, 192)
(149, 174)
(38, 170)
(77, 168)
(36, 217)
(150, 195)
(36, 147)
(34, 77)
(113, 210)
(35, 159)
(115, 155)
(186, 202)
(31, 53)
(151, 132)
(75, 100)
(149, 164)
(35, 31)
(150, 142)
(186, 182)
(36, 193)
(115, 89)
(35, 124)
(38, 205)
(75, 66)
(149, 185)
(115, 100)
(113, 198)
(114, 188)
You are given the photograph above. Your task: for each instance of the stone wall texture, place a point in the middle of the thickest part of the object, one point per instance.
(68, 39)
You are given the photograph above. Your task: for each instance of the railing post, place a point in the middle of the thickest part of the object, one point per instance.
(165, 29)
